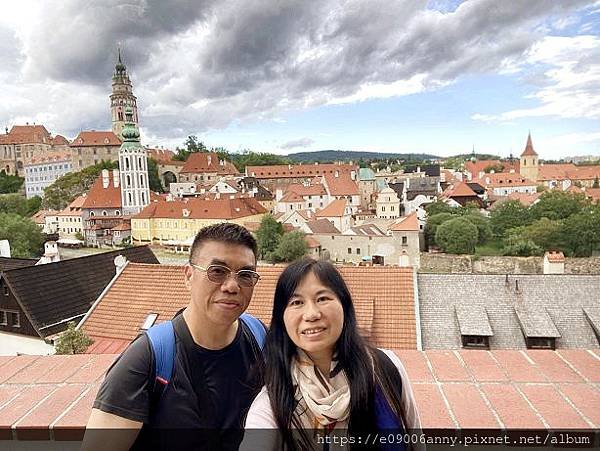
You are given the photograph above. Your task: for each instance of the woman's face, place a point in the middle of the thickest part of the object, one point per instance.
(314, 318)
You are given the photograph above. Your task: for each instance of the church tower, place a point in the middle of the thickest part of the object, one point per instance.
(121, 97)
(133, 168)
(529, 168)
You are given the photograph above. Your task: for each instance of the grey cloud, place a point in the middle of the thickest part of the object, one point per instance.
(302, 142)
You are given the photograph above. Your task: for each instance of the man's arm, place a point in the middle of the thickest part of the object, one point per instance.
(108, 431)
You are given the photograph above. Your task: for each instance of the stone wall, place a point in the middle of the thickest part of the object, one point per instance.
(461, 264)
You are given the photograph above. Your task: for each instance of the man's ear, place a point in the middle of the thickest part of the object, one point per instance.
(188, 272)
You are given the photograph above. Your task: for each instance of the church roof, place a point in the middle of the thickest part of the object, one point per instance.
(96, 138)
(529, 148)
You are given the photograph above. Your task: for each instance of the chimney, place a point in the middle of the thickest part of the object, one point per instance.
(208, 159)
(353, 174)
(554, 262)
(337, 173)
(105, 180)
(120, 261)
(222, 162)
(116, 178)
(217, 195)
(517, 286)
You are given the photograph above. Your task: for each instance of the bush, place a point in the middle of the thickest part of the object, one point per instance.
(457, 236)
(433, 222)
(291, 247)
(483, 226)
(25, 237)
(522, 248)
(72, 341)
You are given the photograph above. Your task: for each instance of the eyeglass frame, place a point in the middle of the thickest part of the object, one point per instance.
(231, 272)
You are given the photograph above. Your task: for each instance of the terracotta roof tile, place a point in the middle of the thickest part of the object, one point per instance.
(291, 196)
(525, 199)
(314, 189)
(500, 179)
(408, 223)
(163, 156)
(555, 171)
(202, 162)
(343, 185)
(33, 409)
(298, 170)
(334, 209)
(529, 148)
(460, 189)
(202, 208)
(100, 197)
(28, 134)
(96, 138)
(322, 226)
(479, 166)
(142, 289)
(50, 156)
(555, 256)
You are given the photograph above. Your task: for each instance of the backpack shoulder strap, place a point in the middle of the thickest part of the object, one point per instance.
(162, 341)
(256, 327)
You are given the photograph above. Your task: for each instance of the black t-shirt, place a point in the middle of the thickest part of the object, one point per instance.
(204, 404)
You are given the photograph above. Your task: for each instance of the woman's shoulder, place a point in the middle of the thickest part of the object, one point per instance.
(260, 415)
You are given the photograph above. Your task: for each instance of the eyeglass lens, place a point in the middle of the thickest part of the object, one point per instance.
(218, 274)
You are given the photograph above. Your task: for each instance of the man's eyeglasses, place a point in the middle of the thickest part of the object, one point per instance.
(219, 274)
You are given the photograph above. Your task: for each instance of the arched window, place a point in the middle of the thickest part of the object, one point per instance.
(127, 163)
(128, 180)
(142, 180)
(129, 197)
(91, 213)
(104, 213)
(143, 198)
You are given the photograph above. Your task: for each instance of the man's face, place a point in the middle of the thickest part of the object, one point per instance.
(219, 304)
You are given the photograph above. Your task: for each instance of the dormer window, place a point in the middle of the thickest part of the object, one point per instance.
(476, 341)
(541, 343)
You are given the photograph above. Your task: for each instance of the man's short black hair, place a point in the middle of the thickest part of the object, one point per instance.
(225, 232)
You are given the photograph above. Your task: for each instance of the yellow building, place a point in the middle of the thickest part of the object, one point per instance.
(179, 220)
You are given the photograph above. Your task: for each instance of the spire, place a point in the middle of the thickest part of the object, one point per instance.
(529, 148)
(120, 68)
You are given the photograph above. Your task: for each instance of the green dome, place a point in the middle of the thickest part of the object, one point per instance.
(130, 131)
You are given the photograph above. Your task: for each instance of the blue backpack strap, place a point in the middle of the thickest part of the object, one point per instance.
(256, 327)
(162, 341)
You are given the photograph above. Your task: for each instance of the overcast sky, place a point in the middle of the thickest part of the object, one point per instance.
(437, 76)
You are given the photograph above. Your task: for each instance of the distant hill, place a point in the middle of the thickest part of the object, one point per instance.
(347, 155)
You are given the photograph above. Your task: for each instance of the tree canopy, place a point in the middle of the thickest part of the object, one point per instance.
(19, 204)
(268, 236)
(457, 236)
(66, 188)
(10, 183)
(25, 237)
(73, 341)
(291, 247)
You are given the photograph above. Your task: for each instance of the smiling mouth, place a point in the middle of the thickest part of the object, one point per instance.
(313, 331)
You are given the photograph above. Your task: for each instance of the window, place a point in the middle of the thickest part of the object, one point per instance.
(349, 250)
(404, 241)
(541, 343)
(5, 290)
(358, 251)
(16, 319)
(475, 341)
(3, 318)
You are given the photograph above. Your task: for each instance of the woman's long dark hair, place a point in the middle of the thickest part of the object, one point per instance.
(353, 353)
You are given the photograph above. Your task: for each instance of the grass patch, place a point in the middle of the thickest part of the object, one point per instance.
(492, 247)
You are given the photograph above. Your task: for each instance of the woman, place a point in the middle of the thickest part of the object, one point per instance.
(321, 375)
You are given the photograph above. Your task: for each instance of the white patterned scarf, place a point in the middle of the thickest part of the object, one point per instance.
(322, 401)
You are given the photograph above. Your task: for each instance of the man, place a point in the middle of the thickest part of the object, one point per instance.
(213, 382)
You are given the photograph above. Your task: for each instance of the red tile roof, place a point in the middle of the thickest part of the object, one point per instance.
(475, 168)
(335, 209)
(314, 189)
(460, 189)
(202, 208)
(343, 185)
(202, 162)
(408, 223)
(74, 208)
(501, 179)
(555, 256)
(525, 199)
(100, 197)
(95, 138)
(291, 196)
(384, 295)
(555, 171)
(593, 193)
(529, 148)
(51, 396)
(49, 157)
(60, 140)
(298, 170)
(322, 226)
(28, 134)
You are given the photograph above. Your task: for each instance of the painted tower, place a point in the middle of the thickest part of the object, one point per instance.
(529, 162)
(121, 97)
(133, 168)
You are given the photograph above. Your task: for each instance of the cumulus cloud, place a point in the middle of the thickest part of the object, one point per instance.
(568, 73)
(302, 142)
(202, 65)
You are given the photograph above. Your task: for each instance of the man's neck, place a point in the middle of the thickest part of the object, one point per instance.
(209, 335)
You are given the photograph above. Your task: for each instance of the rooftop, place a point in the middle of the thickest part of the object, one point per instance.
(96, 138)
(50, 397)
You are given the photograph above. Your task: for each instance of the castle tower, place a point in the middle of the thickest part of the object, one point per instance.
(133, 168)
(529, 162)
(121, 97)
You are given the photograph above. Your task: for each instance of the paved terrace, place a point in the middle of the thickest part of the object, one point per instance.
(50, 397)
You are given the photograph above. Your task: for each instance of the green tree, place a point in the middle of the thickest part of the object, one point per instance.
(72, 341)
(437, 207)
(66, 188)
(192, 145)
(497, 167)
(291, 247)
(433, 222)
(522, 248)
(483, 226)
(556, 204)
(596, 183)
(508, 215)
(581, 232)
(268, 236)
(457, 236)
(154, 181)
(25, 237)
(19, 204)
(10, 183)
(540, 188)
(545, 233)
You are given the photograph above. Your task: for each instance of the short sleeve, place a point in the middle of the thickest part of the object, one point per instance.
(125, 391)
(411, 413)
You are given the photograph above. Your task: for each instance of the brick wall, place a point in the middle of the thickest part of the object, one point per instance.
(461, 264)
